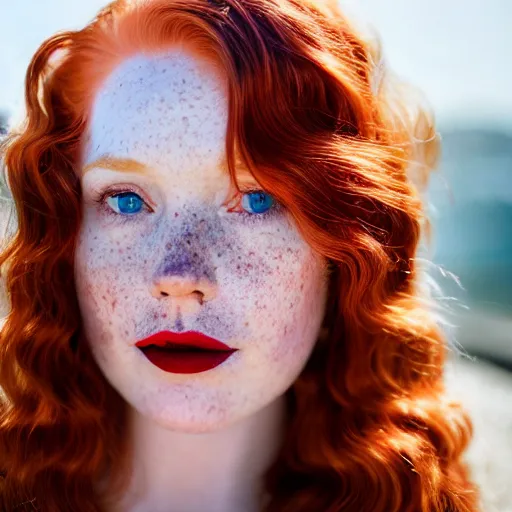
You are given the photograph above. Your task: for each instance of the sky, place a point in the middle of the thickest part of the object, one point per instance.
(459, 52)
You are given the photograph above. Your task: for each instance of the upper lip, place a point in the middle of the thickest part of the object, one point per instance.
(188, 339)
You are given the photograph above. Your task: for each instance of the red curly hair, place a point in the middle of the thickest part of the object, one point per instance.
(327, 131)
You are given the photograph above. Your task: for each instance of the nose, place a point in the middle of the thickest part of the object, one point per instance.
(187, 279)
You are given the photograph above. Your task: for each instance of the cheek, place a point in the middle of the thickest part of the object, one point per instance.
(298, 317)
(101, 282)
(281, 291)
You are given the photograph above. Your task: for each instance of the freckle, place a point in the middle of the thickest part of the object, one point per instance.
(219, 254)
(302, 287)
(95, 238)
(168, 246)
(126, 296)
(114, 302)
(103, 297)
(246, 324)
(111, 251)
(155, 316)
(129, 257)
(176, 214)
(145, 261)
(126, 333)
(188, 242)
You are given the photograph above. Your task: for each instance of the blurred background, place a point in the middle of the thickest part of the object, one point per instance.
(459, 53)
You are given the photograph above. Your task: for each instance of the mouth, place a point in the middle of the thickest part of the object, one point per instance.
(184, 353)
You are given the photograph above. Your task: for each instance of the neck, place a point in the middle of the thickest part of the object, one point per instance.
(183, 471)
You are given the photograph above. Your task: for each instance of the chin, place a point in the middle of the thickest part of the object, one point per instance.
(200, 421)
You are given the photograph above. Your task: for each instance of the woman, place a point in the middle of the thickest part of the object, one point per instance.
(214, 299)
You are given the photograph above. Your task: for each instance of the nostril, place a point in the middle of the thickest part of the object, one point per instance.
(200, 296)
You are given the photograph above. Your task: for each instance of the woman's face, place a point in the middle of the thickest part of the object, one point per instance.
(165, 254)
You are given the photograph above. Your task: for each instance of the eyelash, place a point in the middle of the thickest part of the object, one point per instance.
(101, 196)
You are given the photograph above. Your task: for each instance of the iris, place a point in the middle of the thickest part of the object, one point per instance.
(128, 202)
(257, 202)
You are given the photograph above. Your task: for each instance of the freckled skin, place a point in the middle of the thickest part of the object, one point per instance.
(186, 263)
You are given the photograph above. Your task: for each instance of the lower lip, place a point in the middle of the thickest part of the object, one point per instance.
(186, 362)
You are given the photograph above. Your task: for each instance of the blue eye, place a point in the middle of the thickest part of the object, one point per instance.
(127, 202)
(257, 202)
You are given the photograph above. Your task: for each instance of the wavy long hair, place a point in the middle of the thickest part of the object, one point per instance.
(327, 130)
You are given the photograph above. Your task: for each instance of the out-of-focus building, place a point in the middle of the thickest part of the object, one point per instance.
(471, 196)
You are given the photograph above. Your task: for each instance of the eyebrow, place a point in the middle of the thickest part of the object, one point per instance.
(134, 166)
(117, 164)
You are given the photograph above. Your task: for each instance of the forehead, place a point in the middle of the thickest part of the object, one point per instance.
(162, 110)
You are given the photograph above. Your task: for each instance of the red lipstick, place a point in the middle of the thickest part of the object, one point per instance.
(188, 352)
